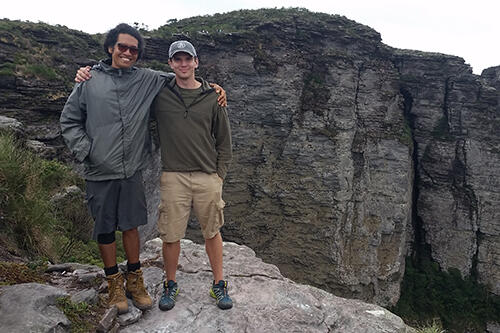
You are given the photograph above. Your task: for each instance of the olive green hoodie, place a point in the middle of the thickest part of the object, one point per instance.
(194, 137)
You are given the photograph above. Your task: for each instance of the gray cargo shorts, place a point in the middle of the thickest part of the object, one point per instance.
(118, 204)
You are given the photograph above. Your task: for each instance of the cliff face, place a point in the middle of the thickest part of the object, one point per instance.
(322, 177)
(348, 154)
(454, 118)
(37, 67)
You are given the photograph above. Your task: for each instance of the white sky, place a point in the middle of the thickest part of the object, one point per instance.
(469, 29)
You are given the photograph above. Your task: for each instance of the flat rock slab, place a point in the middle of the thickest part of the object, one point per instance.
(31, 307)
(264, 301)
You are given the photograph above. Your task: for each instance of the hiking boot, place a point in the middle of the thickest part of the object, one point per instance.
(170, 291)
(116, 293)
(136, 291)
(219, 292)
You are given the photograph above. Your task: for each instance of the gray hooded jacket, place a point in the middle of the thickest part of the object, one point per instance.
(105, 121)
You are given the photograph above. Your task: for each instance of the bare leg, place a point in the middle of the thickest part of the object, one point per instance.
(131, 245)
(108, 254)
(171, 252)
(213, 246)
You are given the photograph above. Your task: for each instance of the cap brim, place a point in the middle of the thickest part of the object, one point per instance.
(183, 51)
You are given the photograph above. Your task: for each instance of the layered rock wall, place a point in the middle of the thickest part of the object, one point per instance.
(455, 125)
(322, 175)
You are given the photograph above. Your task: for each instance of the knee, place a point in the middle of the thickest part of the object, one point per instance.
(171, 244)
(214, 237)
(106, 238)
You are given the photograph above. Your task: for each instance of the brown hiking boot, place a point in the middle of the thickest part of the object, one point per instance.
(117, 293)
(137, 292)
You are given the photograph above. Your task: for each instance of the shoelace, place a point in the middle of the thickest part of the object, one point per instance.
(220, 292)
(116, 290)
(171, 292)
(139, 283)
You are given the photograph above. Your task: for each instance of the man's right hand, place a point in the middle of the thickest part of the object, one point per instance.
(83, 74)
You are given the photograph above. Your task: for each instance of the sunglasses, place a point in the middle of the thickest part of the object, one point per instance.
(123, 48)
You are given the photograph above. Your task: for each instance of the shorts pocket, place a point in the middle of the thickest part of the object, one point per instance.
(218, 180)
(89, 199)
(162, 220)
(219, 213)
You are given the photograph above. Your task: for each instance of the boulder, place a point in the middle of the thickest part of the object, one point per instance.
(31, 307)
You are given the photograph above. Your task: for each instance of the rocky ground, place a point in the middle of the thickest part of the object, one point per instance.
(264, 301)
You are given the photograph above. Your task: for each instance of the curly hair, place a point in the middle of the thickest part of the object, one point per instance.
(123, 28)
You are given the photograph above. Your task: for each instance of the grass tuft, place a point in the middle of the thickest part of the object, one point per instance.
(81, 315)
(42, 227)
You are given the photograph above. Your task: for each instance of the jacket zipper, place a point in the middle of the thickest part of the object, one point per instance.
(193, 102)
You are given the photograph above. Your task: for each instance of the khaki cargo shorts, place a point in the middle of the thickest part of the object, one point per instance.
(179, 191)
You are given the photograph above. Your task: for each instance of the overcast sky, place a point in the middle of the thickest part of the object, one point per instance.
(469, 29)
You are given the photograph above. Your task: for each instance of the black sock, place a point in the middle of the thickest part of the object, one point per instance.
(133, 267)
(111, 270)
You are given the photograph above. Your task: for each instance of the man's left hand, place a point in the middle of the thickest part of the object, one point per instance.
(222, 100)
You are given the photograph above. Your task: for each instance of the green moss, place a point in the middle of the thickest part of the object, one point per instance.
(406, 136)
(461, 304)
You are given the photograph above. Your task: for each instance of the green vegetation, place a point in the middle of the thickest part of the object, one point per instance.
(435, 327)
(40, 49)
(406, 136)
(13, 273)
(88, 252)
(28, 66)
(40, 226)
(41, 71)
(33, 66)
(462, 305)
(81, 315)
(244, 21)
(7, 69)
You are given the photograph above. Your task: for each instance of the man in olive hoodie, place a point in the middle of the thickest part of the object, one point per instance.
(105, 123)
(195, 143)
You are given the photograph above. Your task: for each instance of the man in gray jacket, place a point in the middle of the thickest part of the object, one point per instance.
(105, 123)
